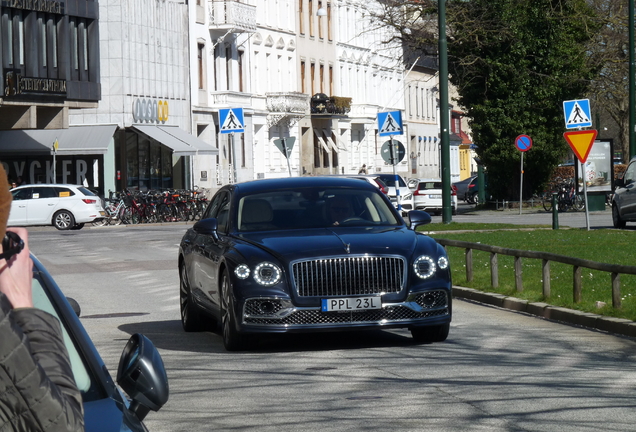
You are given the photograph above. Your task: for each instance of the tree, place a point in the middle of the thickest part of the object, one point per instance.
(514, 62)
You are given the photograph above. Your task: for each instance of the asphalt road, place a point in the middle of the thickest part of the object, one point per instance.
(498, 370)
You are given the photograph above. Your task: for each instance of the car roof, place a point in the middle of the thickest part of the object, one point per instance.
(255, 186)
(48, 185)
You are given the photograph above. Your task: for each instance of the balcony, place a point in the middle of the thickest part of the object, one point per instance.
(228, 98)
(286, 108)
(232, 16)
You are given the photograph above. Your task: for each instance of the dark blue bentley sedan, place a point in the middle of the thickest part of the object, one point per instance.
(311, 254)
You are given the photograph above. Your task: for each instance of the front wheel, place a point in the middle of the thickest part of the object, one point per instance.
(547, 203)
(430, 334)
(232, 339)
(579, 203)
(63, 220)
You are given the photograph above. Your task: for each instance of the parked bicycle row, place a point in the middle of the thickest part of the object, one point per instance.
(152, 206)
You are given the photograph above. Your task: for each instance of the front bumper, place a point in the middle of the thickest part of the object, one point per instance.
(280, 315)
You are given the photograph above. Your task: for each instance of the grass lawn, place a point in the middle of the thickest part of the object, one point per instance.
(603, 245)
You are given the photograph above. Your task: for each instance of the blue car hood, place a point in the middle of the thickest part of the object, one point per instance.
(299, 244)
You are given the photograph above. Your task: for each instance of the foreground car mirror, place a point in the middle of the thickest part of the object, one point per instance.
(417, 218)
(206, 226)
(619, 182)
(142, 375)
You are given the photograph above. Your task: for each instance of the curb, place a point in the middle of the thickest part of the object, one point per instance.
(618, 326)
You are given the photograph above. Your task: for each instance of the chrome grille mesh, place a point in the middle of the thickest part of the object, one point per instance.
(348, 276)
(434, 303)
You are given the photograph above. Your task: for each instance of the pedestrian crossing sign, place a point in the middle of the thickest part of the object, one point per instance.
(577, 113)
(390, 123)
(231, 120)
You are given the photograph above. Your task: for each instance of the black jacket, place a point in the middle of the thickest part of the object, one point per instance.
(37, 388)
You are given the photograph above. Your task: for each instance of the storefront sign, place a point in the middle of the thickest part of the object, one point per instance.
(47, 6)
(15, 84)
(70, 170)
(150, 111)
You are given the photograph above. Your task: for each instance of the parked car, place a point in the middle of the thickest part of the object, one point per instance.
(406, 196)
(466, 188)
(427, 195)
(61, 205)
(624, 199)
(374, 180)
(141, 373)
(311, 254)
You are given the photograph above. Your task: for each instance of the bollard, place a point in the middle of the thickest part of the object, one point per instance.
(555, 212)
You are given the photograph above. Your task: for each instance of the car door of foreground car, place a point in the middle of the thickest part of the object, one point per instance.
(210, 249)
(42, 205)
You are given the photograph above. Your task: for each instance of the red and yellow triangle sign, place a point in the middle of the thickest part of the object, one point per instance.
(581, 142)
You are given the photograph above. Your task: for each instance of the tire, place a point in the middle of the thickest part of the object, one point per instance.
(472, 198)
(616, 218)
(77, 226)
(579, 203)
(63, 220)
(232, 339)
(430, 334)
(191, 316)
(547, 204)
(101, 222)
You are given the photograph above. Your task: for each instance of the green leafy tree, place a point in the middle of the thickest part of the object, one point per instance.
(514, 62)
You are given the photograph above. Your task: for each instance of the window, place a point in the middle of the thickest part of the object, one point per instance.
(303, 87)
(330, 80)
(241, 56)
(200, 60)
(312, 77)
(322, 78)
(228, 66)
(301, 18)
(311, 18)
(320, 35)
(329, 35)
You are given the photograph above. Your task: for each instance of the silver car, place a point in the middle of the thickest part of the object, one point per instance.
(61, 205)
(624, 200)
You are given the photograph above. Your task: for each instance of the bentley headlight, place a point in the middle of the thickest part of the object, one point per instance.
(442, 262)
(242, 271)
(424, 266)
(267, 274)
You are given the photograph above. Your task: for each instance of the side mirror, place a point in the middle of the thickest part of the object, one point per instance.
(417, 218)
(74, 305)
(206, 226)
(619, 182)
(142, 375)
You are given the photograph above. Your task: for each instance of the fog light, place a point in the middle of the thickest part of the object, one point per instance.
(267, 307)
(428, 300)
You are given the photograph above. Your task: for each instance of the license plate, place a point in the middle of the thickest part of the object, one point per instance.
(435, 196)
(351, 304)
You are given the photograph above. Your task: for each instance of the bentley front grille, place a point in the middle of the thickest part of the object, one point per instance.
(348, 276)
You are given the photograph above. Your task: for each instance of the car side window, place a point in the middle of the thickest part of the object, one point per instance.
(219, 209)
(44, 192)
(630, 173)
(64, 192)
(22, 194)
(213, 207)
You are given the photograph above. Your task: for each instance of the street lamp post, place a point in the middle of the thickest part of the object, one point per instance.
(444, 114)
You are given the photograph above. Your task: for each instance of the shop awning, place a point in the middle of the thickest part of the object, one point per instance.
(202, 147)
(76, 140)
(181, 142)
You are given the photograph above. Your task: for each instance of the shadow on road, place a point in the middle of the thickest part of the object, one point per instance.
(169, 335)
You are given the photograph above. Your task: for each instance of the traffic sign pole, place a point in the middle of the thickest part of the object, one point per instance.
(397, 184)
(521, 185)
(587, 213)
(286, 155)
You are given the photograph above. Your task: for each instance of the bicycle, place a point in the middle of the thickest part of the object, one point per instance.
(567, 198)
(114, 207)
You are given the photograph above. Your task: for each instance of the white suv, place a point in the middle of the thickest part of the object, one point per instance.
(63, 206)
(427, 195)
(406, 196)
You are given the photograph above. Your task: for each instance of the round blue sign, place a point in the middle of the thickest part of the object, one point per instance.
(523, 143)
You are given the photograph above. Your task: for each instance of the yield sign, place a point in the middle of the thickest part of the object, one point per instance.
(581, 142)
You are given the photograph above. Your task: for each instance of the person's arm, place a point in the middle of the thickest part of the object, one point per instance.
(33, 357)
